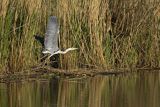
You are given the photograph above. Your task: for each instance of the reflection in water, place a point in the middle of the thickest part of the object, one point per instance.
(134, 90)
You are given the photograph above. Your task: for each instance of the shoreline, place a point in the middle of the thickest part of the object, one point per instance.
(48, 72)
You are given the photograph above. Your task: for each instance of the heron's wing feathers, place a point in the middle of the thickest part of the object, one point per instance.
(51, 36)
(40, 39)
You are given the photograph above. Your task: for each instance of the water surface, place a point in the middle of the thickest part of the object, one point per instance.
(131, 90)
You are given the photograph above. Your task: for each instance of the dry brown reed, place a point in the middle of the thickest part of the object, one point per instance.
(108, 33)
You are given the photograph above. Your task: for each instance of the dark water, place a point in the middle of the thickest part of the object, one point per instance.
(131, 90)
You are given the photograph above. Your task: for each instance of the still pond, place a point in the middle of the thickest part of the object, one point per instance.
(130, 90)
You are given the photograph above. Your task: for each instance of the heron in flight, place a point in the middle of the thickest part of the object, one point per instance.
(51, 38)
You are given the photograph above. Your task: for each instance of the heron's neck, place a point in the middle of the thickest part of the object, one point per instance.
(63, 52)
(59, 52)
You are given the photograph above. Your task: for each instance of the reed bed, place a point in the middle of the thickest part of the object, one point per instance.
(108, 33)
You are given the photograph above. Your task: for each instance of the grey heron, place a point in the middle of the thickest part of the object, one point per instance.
(51, 38)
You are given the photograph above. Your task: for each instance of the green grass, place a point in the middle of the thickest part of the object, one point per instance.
(133, 42)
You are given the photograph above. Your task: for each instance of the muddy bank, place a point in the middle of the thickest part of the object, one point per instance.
(49, 72)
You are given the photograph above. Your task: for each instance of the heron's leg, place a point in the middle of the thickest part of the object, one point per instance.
(44, 57)
(46, 61)
(42, 60)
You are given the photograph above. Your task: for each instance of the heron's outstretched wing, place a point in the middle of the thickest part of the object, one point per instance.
(51, 36)
(39, 39)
